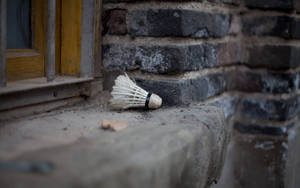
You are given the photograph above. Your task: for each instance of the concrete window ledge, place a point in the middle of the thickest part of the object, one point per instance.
(165, 148)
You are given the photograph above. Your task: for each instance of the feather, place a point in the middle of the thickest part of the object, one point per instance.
(126, 94)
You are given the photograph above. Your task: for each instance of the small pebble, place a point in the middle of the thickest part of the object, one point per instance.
(113, 125)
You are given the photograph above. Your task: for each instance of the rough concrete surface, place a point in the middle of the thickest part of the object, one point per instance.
(174, 147)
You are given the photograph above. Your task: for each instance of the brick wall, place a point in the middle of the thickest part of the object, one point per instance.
(242, 55)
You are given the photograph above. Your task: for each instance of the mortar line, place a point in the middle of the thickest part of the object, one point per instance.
(198, 6)
(127, 39)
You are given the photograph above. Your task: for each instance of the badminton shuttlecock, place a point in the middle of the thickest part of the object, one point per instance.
(126, 94)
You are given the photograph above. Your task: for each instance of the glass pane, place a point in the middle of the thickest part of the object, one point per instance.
(19, 24)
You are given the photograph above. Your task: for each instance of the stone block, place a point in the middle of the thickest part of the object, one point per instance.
(207, 86)
(235, 25)
(228, 104)
(295, 28)
(228, 53)
(158, 59)
(172, 92)
(169, 58)
(178, 23)
(274, 56)
(277, 26)
(267, 26)
(179, 92)
(270, 109)
(165, 148)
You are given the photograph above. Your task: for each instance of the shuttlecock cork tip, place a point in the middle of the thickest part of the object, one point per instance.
(155, 101)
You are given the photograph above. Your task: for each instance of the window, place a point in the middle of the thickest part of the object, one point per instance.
(39, 37)
(19, 33)
(26, 39)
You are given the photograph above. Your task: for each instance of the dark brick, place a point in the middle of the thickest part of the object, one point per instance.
(228, 53)
(279, 26)
(205, 87)
(263, 130)
(179, 23)
(171, 92)
(179, 92)
(270, 4)
(270, 109)
(117, 57)
(247, 81)
(157, 59)
(279, 82)
(235, 25)
(274, 57)
(228, 105)
(295, 28)
(264, 82)
(167, 59)
(114, 22)
(267, 25)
